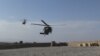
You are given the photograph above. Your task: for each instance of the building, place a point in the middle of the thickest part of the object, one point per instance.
(83, 43)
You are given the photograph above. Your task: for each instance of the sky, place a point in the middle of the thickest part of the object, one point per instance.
(77, 20)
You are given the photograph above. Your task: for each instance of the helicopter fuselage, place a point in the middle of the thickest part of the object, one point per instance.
(47, 30)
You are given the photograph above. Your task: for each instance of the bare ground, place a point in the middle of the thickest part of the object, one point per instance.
(52, 51)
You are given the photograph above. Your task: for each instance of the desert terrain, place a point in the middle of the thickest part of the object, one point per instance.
(52, 51)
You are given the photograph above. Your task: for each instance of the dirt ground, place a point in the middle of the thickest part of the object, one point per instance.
(52, 51)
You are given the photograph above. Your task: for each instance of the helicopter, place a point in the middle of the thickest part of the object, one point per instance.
(46, 30)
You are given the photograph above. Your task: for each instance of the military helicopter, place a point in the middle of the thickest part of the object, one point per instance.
(46, 30)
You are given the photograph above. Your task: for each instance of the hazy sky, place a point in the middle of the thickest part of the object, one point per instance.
(81, 19)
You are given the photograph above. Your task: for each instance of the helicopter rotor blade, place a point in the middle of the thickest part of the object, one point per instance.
(38, 24)
(60, 25)
(45, 23)
(24, 22)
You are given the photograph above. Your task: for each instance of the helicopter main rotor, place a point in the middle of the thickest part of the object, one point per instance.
(47, 28)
